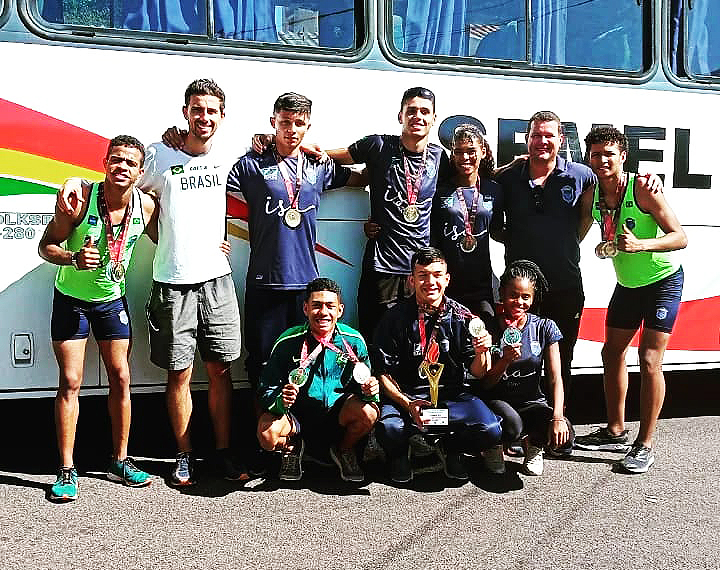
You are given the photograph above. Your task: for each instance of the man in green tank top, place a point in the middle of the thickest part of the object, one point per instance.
(639, 230)
(93, 245)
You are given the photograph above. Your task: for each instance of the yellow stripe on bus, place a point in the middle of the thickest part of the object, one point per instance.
(24, 165)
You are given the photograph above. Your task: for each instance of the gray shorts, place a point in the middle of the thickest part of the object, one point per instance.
(183, 317)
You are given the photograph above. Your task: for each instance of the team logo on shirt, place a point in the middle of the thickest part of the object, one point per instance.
(177, 169)
(535, 347)
(661, 313)
(488, 204)
(628, 204)
(630, 223)
(310, 174)
(430, 169)
(136, 220)
(568, 194)
(92, 220)
(270, 172)
(448, 202)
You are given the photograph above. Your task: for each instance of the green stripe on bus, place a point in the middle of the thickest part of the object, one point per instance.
(13, 187)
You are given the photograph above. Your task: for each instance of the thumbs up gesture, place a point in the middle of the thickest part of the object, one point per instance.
(627, 241)
(89, 256)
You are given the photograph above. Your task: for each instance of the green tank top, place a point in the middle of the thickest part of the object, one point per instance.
(95, 285)
(645, 267)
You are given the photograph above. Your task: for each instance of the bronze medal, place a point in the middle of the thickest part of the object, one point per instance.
(468, 243)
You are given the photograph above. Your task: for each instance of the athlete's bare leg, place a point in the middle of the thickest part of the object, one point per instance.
(220, 401)
(179, 405)
(615, 375)
(652, 387)
(358, 418)
(70, 355)
(115, 354)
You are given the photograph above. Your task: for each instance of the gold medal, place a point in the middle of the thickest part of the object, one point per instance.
(411, 214)
(292, 218)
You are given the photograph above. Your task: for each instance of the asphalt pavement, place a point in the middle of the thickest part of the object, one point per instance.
(580, 514)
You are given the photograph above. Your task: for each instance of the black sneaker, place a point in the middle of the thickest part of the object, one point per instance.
(291, 462)
(400, 468)
(638, 460)
(602, 440)
(348, 464)
(455, 468)
(229, 468)
(182, 473)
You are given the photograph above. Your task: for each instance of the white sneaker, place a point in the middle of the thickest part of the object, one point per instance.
(494, 460)
(533, 464)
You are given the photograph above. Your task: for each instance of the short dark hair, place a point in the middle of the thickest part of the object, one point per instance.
(205, 87)
(293, 103)
(606, 135)
(426, 256)
(127, 140)
(545, 117)
(526, 269)
(468, 132)
(421, 92)
(322, 284)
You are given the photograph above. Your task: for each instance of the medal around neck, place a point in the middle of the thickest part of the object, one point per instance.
(292, 218)
(115, 271)
(476, 327)
(606, 249)
(411, 213)
(298, 376)
(510, 336)
(468, 243)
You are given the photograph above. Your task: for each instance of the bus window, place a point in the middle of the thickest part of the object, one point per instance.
(702, 44)
(595, 34)
(310, 23)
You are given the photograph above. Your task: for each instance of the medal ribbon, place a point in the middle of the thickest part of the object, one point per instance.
(349, 351)
(429, 346)
(308, 359)
(469, 215)
(292, 192)
(610, 218)
(412, 183)
(116, 247)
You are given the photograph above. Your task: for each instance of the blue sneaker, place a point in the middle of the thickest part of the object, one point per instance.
(65, 487)
(182, 474)
(126, 473)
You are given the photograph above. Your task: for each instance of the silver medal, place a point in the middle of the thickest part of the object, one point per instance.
(361, 373)
(476, 327)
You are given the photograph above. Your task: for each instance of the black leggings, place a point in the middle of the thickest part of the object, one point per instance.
(531, 419)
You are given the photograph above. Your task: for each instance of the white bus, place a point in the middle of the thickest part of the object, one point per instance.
(77, 72)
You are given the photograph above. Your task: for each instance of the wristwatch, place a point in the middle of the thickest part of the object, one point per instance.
(74, 260)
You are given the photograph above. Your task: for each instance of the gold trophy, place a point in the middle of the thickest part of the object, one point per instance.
(432, 371)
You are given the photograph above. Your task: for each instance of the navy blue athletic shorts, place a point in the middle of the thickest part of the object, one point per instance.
(655, 305)
(72, 318)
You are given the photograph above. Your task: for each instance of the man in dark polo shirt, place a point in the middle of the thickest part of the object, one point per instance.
(541, 212)
(430, 328)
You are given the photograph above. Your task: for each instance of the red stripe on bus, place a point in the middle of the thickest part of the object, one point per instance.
(696, 327)
(29, 131)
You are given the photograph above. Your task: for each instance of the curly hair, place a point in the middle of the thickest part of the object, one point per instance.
(468, 132)
(525, 269)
